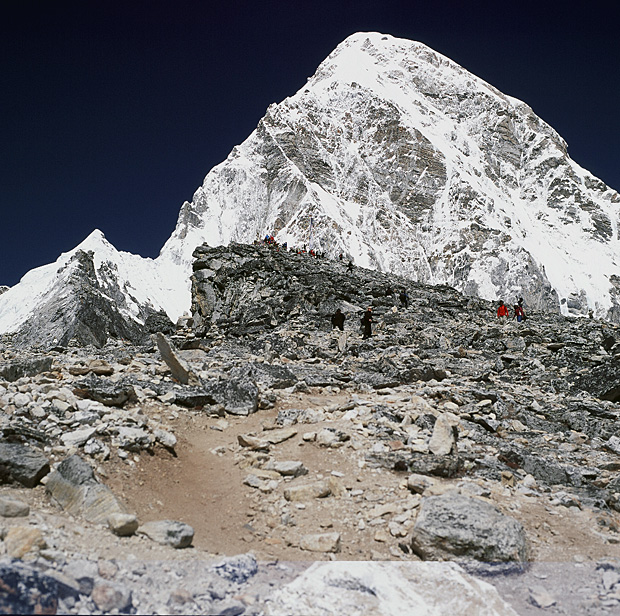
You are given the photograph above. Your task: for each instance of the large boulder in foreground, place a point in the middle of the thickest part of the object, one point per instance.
(457, 527)
(74, 487)
(385, 589)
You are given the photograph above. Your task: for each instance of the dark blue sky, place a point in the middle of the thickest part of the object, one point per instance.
(113, 112)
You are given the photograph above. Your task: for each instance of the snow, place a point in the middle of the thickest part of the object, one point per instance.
(500, 163)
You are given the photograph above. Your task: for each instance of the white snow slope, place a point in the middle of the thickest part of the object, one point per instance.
(407, 163)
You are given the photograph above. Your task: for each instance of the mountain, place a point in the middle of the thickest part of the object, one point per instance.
(410, 164)
(397, 157)
(89, 294)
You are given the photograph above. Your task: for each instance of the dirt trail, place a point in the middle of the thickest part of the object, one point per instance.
(206, 490)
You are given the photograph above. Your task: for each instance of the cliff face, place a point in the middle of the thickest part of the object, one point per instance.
(404, 161)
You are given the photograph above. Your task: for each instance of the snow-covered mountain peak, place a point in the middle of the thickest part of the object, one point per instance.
(405, 162)
(409, 163)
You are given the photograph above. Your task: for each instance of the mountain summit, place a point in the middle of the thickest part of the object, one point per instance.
(405, 162)
(408, 163)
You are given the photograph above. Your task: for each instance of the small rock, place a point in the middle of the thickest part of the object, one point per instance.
(168, 532)
(11, 508)
(321, 542)
(21, 540)
(289, 468)
(418, 483)
(110, 596)
(539, 597)
(123, 524)
(308, 491)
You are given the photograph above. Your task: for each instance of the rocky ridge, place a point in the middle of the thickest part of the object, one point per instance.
(334, 447)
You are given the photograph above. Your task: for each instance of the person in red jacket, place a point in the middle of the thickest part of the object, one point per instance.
(502, 311)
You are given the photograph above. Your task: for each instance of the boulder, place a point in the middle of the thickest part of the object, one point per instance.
(29, 366)
(74, 487)
(23, 464)
(385, 589)
(457, 527)
(168, 532)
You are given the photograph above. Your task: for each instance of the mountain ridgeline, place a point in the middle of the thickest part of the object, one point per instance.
(406, 163)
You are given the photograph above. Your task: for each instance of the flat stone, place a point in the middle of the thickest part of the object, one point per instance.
(123, 524)
(320, 542)
(77, 438)
(307, 491)
(442, 441)
(11, 508)
(168, 532)
(178, 367)
(289, 468)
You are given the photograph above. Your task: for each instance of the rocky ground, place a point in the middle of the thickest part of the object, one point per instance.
(206, 472)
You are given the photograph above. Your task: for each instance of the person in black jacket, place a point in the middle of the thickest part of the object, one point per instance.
(338, 320)
(367, 323)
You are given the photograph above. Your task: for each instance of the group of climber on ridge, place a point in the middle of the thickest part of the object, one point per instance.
(518, 311)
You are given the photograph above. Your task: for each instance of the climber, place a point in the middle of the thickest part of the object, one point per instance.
(338, 320)
(519, 313)
(404, 298)
(367, 323)
(502, 310)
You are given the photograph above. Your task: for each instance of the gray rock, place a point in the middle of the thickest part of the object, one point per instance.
(74, 487)
(168, 532)
(178, 367)
(12, 508)
(320, 542)
(452, 526)
(22, 463)
(238, 569)
(109, 596)
(13, 370)
(77, 437)
(123, 524)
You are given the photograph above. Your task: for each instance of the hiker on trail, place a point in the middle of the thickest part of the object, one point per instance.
(350, 266)
(520, 304)
(341, 256)
(502, 310)
(367, 323)
(389, 291)
(519, 313)
(338, 320)
(404, 298)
